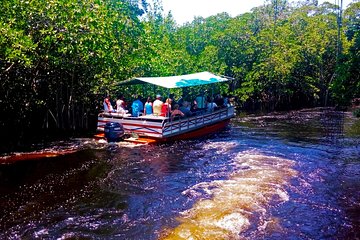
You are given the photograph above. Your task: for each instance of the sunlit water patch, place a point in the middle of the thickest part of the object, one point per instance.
(228, 207)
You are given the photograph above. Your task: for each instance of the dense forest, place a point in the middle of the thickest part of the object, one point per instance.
(59, 57)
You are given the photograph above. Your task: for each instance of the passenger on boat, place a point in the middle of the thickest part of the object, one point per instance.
(211, 106)
(107, 104)
(173, 102)
(176, 112)
(181, 100)
(137, 107)
(226, 101)
(219, 100)
(194, 106)
(157, 105)
(232, 100)
(201, 100)
(185, 108)
(166, 108)
(121, 105)
(148, 109)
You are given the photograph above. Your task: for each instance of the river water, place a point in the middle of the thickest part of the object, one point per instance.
(293, 175)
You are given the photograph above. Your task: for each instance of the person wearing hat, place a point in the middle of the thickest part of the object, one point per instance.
(157, 105)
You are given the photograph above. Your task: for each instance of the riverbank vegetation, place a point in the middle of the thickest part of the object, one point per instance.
(59, 57)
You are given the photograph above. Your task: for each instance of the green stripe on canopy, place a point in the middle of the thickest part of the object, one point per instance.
(188, 80)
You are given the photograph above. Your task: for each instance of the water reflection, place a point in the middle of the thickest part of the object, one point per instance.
(281, 176)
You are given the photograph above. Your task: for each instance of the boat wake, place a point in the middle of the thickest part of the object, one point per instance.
(230, 207)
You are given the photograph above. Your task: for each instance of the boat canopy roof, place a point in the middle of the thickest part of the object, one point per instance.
(189, 80)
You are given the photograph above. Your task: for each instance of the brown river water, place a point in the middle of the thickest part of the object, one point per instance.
(293, 175)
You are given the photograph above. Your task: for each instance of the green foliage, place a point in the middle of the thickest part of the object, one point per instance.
(347, 83)
(54, 55)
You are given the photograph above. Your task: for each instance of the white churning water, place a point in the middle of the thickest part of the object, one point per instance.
(257, 183)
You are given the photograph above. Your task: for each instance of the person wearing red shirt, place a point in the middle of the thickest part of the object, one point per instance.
(166, 108)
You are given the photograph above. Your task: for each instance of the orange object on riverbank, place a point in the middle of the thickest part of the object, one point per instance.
(34, 155)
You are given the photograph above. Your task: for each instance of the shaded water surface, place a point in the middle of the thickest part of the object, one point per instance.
(281, 176)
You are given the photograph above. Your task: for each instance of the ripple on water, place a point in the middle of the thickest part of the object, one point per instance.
(231, 205)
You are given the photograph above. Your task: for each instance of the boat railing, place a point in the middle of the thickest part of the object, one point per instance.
(113, 114)
(200, 120)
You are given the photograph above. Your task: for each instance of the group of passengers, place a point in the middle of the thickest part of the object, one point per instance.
(169, 108)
